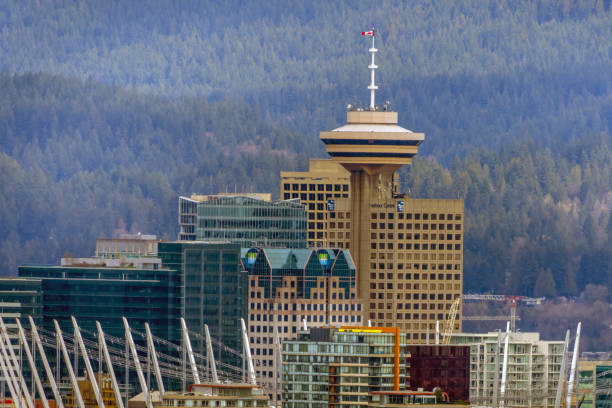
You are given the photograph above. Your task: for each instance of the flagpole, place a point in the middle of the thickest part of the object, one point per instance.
(373, 67)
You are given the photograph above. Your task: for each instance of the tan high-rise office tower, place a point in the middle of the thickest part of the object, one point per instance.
(325, 180)
(408, 252)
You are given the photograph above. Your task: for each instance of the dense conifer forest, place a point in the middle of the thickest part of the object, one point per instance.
(110, 110)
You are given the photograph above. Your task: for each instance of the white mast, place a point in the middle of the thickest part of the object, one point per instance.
(372, 87)
(73, 380)
(109, 365)
(43, 357)
(192, 363)
(26, 348)
(12, 361)
(151, 347)
(130, 342)
(90, 373)
(247, 353)
(575, 355)
(211, 356)
(502, 389)
(8, 376)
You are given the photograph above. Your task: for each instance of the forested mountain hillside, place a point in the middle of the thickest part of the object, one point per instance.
(537, 223)
(80, 160)
(470, 73)
(132, 104)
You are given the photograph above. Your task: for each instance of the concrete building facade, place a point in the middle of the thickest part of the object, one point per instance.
(127, 246)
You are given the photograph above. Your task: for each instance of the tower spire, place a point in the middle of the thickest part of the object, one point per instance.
(372, 87)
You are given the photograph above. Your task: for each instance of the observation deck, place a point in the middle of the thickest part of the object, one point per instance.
(371, 138)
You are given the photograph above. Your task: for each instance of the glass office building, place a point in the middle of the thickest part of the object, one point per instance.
(244, 220)
(105, 294)
(271, 265)
(213, 290)
(20, 298)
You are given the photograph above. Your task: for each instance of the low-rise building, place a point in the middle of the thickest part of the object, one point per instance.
(533, 370)
(216, 395)
(88, 395)
(127, 246)
(435, 365)
(332, 368)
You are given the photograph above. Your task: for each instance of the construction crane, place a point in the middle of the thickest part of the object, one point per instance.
(513, 299)
(450, 321)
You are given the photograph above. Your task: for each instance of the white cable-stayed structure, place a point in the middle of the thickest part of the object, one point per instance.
(41, 364)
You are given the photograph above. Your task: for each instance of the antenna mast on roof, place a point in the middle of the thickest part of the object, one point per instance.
(372, 87)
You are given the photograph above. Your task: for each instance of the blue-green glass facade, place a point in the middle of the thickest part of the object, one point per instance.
(20, 298)
(213, 289)
(270, 265)
(106, 295)
(244, 220)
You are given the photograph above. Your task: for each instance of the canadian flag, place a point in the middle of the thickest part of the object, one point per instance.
(368, 33)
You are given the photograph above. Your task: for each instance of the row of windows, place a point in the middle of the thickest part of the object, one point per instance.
(335, 295)
(400, 266)
(340, 245)
(391, 286)
(440, 256)
(308, 307)
(415, 306)
(389, 295)
(410, 316)
(421, 247)
(308, 318)
(294, 318)
(417, 226)
(315, 187)
(339, 225)
(441, 297)
(416, 216)
(311, 197)
(416, 276)
(417, 237)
